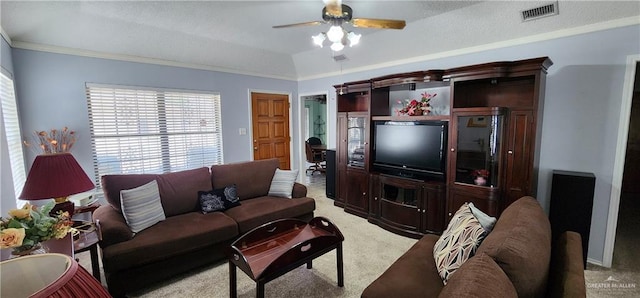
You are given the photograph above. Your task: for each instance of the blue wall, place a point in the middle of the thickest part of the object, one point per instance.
(582, 105)
(51, 90)
(581, 113)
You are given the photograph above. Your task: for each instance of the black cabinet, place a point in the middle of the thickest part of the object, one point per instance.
(331, 174)
(572, 204)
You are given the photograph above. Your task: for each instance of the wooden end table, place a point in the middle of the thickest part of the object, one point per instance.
(278, 247)
(88, 239)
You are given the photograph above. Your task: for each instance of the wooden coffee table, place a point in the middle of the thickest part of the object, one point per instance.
(278, 247)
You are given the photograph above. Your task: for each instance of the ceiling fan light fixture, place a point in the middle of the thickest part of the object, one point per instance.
(319, 39)
(354, 38)
(335, 34)
(337, 46)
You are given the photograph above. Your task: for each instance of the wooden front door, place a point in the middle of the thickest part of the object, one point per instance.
(270, 114)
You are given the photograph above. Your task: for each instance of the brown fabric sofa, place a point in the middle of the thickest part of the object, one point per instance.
(188, 239)
(515, 260)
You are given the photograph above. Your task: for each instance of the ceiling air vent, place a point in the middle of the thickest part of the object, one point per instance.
(540, 12)
(339, 58)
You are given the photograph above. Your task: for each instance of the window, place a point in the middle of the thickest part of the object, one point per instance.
(137, 130)
(11, 126)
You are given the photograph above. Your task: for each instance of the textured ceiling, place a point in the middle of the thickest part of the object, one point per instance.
(237, 36)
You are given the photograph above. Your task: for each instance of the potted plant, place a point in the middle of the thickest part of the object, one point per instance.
(480, 176)
(416, 108)
(29, 226)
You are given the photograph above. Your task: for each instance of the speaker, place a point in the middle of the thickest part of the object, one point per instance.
(331, 173)
(572, 205)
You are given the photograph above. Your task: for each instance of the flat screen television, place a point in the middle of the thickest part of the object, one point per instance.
(412, 149)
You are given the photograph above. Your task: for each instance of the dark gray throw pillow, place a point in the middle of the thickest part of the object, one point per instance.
(218, 199)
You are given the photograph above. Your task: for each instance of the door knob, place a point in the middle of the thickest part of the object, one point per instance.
(255, 148)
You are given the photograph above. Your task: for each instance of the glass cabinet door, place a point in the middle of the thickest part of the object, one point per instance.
(356, 134)
(395, 193)
(479, 139)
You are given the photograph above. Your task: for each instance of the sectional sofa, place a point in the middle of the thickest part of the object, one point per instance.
(516, 259)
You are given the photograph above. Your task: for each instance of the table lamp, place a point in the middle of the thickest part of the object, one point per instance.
(48, 275)
(56, 176)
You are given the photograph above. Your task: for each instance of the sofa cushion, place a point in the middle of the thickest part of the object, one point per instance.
(141, 206)
(253, 178)
(174, 236)
(414, 274)
(479, 277)
(458, 242)
(566, 272)
(178, 190)
(257, 211)
(282, 183)
(218, 199)
(520, 243)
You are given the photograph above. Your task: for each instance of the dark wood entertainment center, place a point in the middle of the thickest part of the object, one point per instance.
(494, 113)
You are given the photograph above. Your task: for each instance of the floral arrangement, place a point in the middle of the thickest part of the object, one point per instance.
(54, 141)
(480, 173)
(414, 107)
(30, 225)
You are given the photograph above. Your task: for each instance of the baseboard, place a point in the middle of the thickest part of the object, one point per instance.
(595, 262)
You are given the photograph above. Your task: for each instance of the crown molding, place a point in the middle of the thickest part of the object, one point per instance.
(624, 22)
(474, 49)
(136, 59)
(6, 36)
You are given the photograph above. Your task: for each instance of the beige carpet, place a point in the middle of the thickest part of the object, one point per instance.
(368, 251)
(623, 280)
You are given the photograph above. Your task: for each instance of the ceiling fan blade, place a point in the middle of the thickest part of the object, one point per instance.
(333, 7)
(314, 23)
(378, 23)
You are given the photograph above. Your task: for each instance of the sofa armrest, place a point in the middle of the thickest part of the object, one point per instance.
(566, 271)
(299, 190)
(113, 226)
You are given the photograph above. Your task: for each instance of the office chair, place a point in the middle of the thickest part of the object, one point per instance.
(314, 157)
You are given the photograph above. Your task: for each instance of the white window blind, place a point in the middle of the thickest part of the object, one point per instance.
(137, 130)
(11, 126)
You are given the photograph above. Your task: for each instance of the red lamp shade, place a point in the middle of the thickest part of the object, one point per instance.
(48, 275)
(55, 176)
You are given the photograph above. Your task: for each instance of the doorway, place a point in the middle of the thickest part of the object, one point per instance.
(313, 122)
(627, 237)
(270, 127)
(624, 208)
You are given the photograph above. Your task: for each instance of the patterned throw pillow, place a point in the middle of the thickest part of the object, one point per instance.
(282, 183)
(141, 206)
(218, 199)
(458, 242)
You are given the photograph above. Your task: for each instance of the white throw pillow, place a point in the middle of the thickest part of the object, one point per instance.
(486, 221)
(282, 183)
(141, 206)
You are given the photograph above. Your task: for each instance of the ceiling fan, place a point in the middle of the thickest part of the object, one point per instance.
(335, 13)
